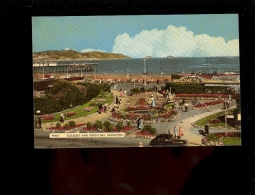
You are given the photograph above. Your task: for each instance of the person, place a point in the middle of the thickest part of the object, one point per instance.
(125, 93)
(152, 101)
(183, 101)
(186, 107)
(140, 127)
(127, 104)
(207, 128)
(138, 121)
(167, 93)
(39, 122)
(113, 108)
(180, 132)
(164, 93)
(100, 108)
(36, 122)
(116, 100)
(62, 118)
(105, 107)
(175, 131)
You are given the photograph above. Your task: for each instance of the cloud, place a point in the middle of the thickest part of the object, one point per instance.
(173, 41)
(89, 49)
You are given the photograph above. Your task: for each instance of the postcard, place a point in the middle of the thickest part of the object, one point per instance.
(136, 81)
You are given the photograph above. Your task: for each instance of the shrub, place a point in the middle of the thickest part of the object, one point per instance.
(119, 126)
(71, 123)
(149, 128)
(66, 126)
(135, 90)
(98, 125)
(89, 125)
(128, 123)
(58, 124)
(142, 89)
(107, 124)
(110, 128)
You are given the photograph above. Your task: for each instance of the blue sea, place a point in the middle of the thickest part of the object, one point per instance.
(167, 66)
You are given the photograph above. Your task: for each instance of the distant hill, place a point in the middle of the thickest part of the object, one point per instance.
(74, 55)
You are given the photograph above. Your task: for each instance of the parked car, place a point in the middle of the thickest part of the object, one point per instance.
(167, 140)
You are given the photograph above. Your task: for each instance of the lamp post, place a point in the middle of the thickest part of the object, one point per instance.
(226, 125)
(144, 70)
(127, 72)
(144, 66)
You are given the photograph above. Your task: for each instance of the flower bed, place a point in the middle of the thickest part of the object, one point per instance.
(205, 95)
(144, 134)
(88, 108)
(208, 104)
(147, 117)
(101, 100)
(69, 114)
(47, 117)
(215, 120)
(63, 128)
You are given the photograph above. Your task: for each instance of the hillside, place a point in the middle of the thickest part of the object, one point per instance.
(74, 55)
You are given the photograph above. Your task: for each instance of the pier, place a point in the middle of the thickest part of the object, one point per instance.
(53, 66)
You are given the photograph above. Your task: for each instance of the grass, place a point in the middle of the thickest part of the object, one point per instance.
(227, 141)
(79, 109)
(202, 121)
(232, 140)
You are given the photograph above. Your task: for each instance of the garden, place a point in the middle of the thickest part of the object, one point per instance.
(83, 110)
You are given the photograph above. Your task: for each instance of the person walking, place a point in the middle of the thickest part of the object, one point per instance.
(186, 107)
(100, 108)
(116, 100)
(180, 132)
(39, 122)
(175, 131)
(207, 124)
(62, 118)
(125, 93)
(152, 101)
(36, 122)
(105, 107)
(140, 127)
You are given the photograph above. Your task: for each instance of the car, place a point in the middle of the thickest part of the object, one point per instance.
(167, 140)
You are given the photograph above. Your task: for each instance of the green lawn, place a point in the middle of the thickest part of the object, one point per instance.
(202, 121)
(231, 141)
(79, 110)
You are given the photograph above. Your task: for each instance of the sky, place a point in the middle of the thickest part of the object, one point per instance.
(138, 36)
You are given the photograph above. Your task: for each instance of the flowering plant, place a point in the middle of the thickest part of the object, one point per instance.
(88, 109)
(70, 113)
(47, 117)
